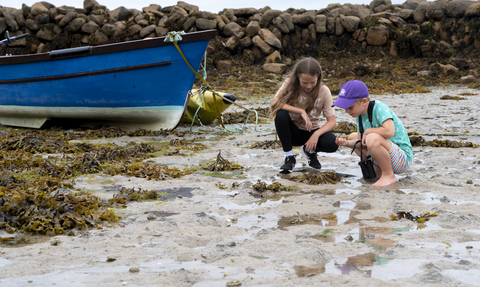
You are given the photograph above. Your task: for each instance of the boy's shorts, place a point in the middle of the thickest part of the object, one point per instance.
(398, 158)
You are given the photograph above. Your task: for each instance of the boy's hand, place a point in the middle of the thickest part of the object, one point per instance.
(341, 142)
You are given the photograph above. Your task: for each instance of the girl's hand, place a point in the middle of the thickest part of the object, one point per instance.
(308, 123)
(311, 144)
(341, 141)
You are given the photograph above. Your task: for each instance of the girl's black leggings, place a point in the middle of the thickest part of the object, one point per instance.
(290, 135)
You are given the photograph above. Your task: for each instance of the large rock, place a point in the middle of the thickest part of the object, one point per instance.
(188, 7)
(38, 9)
(89, 27)
(67, 18)
(350, 23)
(457, 9)
(179, 10)
(31, 25)
(89, 4)
(134, 29)
(473, 10)
(280, 24)
(339, 29)
(258, 41)
(205, 24)
(100, 38)
(436, 10)
(245, 12)
(270, 38)
(287, 18)
(11, 21)
(253, 28)
(275, 68)
(231, 28)
(413, 4)
(274, 57)
(147, 31)
(3, 25)
(76, 24)
(377, 35)
(375, 3)
(45, 34)
(321, 23)
(19, 17)
(304, 19)
(268, 16)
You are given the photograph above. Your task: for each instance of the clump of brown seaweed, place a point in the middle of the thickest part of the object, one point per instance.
(262, 186)
(448, 97)
(345, 128)
(243, 116)
(36, 194)
(409, 216)
(417, 140)
(268, 144)
(222, 164)
(329, 177)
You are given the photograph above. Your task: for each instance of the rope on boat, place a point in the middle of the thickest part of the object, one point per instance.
(174, 37)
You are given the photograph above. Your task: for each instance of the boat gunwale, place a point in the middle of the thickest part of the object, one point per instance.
(110, 48)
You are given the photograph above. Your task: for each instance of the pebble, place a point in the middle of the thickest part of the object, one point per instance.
(234, 283)
(134, 269)
(469, 181)
(231, 244)
(469, 247)
(151, 216)
(30, 281)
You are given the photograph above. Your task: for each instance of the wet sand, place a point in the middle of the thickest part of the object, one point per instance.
(330, 234)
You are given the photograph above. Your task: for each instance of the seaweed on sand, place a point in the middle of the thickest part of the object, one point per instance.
(222, 164)
(329, 177)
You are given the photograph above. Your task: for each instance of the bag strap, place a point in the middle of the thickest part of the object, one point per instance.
(371, 105)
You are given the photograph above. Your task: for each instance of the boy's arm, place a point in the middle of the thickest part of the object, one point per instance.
(387, 130)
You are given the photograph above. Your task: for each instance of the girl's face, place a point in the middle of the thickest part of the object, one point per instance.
(358, 108)
(307, 82)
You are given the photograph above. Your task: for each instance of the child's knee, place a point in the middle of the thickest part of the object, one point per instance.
(354, 136)
(374, 140)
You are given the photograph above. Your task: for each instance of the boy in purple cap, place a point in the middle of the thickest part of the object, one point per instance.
(384, 138)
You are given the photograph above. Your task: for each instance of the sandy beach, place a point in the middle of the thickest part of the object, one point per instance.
(214, 229)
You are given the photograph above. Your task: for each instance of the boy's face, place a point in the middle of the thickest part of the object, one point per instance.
(358, 108)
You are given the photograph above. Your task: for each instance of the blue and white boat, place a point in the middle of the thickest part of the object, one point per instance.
(136, 84)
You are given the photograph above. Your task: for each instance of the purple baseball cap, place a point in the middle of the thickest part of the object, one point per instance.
(349, 93)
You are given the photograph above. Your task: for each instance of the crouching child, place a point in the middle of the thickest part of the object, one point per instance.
(384, 137)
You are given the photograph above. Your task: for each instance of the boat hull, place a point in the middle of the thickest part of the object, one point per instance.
(141, 84)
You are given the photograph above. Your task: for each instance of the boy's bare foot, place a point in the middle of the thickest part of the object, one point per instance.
(385, 180)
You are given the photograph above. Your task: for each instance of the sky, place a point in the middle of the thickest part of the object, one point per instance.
(204, 5)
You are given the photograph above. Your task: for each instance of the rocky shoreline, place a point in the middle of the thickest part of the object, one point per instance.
(417, 28)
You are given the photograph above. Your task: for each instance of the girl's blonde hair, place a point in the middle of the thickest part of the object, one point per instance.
(308, 66)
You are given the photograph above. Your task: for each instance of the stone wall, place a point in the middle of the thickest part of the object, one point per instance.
(417, 28)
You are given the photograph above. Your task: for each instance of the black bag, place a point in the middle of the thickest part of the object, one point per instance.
(366, 164)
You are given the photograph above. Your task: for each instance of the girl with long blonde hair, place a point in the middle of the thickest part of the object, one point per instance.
(296, 110)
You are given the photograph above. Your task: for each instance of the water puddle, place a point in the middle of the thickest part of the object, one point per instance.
(367, 264)
(4, 262)
(173, 193)
(268, 202)
(257, 222)
(344, 204)
(372, 236)
(236, 174)
(342, 217)
(470, 276)
(431, 198)
(162, 213)
(347, 191)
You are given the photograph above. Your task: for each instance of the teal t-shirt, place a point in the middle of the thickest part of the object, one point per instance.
(381, 113)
